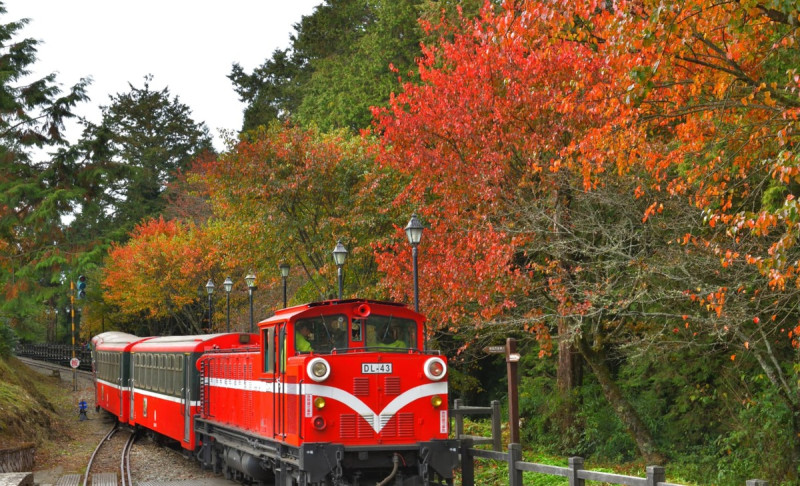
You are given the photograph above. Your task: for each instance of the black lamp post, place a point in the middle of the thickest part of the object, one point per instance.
(251, 287)
(414, 232)
(339, 256)
(210, 290)
(284, 273)
(228, 284)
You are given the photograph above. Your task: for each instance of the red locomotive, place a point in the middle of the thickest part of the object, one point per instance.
(336, 392)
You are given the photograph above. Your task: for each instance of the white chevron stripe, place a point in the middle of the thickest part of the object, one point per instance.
(376, 419)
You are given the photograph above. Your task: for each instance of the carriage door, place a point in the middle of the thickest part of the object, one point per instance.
(135, 362)
(187, 397)
(120, 366)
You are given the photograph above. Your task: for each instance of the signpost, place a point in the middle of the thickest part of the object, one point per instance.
(74, 363)
(512, 358)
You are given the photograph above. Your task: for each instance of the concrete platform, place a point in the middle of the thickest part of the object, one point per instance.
(69, 480)
(16, 479)
(104, 479)
(190, 482)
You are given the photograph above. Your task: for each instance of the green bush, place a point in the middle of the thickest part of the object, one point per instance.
(8, 340)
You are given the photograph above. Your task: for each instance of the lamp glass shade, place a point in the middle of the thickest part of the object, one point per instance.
(339, 254)
(228, 284)
(210, 287)
(250, 278)
(414, 230)
(284, 269)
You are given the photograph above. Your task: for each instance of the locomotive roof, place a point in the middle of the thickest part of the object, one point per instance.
(290, 312)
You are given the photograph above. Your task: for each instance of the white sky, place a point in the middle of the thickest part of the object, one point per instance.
(187, 45)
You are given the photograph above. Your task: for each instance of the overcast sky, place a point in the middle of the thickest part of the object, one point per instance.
(187, 45)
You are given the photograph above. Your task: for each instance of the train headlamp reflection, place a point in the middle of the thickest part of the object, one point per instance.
(318, 369)
(435, 369)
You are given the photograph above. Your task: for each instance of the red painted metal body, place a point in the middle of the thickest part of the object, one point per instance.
(335, 391)
(165, 395)
(111, 370)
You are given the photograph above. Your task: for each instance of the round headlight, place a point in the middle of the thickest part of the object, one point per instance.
(435, 369)
(318, 369)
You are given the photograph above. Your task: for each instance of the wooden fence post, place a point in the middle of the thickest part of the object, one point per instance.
(497, 430)
(514, 456)
(757, 482)
(459, 418)
(575, 465)
(655, 475)
(467, 464)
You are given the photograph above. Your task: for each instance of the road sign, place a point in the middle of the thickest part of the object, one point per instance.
(494, 349)
(74, 362)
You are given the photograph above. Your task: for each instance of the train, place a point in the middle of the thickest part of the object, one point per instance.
(338, 392)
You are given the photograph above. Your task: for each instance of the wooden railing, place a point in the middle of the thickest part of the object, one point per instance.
(574, 472)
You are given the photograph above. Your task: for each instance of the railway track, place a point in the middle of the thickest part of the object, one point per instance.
(113, 452)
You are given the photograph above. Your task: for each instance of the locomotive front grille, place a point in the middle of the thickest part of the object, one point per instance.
(399, 425)
(391, 385)
(354, 426)
(360, 386)
(347, 429)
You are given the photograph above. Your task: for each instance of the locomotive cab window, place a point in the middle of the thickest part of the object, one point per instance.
(321, 334)
(268, 342)
(391, 332)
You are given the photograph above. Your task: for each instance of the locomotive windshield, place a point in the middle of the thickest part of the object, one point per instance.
(325, 333)
(321, 334)
(391, 332)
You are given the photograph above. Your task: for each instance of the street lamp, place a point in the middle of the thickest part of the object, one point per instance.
(250, 278)
(228, 284)
(284, 273)
(210, 290)
(414, 232)
(339, 256)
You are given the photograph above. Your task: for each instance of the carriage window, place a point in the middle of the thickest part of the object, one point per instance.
(391, 332)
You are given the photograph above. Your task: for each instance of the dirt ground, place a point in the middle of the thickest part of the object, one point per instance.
(70, 442)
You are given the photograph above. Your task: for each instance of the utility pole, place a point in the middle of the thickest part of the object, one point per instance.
(72, 318)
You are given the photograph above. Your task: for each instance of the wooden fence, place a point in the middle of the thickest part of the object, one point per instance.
(574, 472)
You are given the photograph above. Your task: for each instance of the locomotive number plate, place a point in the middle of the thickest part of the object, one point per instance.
(376, 368)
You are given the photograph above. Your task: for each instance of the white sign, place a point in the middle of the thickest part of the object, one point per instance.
(376, 368)
(74, 362)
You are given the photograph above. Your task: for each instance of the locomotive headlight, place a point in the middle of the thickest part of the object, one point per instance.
(319, 402)
(435, 369)
(436, 401)
(318, 369)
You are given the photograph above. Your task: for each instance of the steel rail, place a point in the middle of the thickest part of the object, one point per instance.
(91, 459)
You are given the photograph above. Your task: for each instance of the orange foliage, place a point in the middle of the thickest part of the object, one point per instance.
(158, 270)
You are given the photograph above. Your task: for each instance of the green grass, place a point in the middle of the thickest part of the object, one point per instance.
(495, 473)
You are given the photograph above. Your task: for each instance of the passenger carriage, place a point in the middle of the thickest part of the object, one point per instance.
(111, 369)
(165, 391)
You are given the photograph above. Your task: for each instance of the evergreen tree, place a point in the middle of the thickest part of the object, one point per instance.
(146, 137)
(34, 195)
(344, 58)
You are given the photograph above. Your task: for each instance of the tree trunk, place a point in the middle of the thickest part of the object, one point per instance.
(568, 375)
(622, 408)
